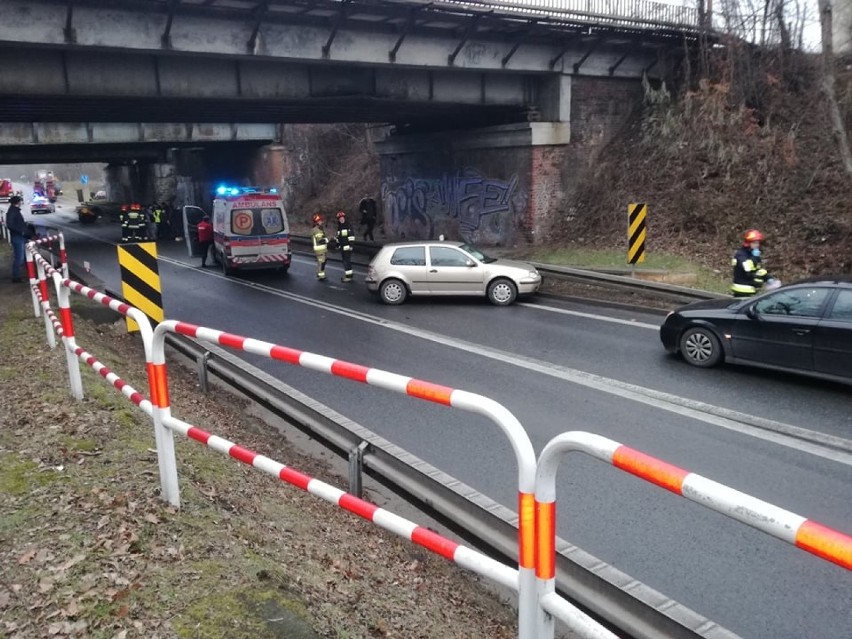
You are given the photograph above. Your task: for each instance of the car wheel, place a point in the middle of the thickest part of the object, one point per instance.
(226, 270)
(393, 292)
(700, 347)
(502, 292)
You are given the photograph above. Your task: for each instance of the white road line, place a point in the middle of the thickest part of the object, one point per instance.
(600, 318)
(819, 444)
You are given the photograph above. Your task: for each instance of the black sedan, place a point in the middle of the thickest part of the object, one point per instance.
(804, 327)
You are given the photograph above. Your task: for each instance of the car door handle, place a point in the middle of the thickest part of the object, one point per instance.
(801, 331)
(433, 270)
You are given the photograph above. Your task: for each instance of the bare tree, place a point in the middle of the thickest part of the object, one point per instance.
(828, 86)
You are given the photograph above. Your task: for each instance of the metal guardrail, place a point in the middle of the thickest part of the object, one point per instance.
(681, 294)
(656, 289)
(612, 597)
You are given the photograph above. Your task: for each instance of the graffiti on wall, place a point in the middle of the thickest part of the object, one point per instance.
(466, 205)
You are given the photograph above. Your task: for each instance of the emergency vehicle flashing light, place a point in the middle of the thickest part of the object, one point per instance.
(238, 190)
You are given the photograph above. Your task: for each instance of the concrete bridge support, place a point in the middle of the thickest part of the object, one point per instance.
(503, 185)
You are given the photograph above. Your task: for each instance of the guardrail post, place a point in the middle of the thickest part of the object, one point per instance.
(45, 307)
(33, 275)
(158, 382)
(63, 257)
(68, 338)
(356, 462)
(202, 371)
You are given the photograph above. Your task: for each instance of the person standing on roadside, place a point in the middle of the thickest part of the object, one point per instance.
(367, 208)
(175, 220)
(18, 233)
(205, 238)
(749, 274)
(346, 242)
(320, 242)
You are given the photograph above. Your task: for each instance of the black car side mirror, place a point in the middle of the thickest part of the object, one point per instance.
(751, 312)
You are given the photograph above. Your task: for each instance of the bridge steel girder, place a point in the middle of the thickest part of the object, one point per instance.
(62, 133)
(86, 86)
(98, 28)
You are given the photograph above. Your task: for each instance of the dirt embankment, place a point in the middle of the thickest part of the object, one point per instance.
(748, 146)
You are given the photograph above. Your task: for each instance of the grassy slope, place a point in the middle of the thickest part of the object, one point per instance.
(87, 548)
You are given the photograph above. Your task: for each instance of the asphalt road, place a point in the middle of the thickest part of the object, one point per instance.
(560, 366)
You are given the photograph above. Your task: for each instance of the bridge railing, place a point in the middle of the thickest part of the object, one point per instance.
(639, 13)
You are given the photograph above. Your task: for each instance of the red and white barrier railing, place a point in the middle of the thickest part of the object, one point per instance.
(813, 537)
(511, 427)
(534, 579)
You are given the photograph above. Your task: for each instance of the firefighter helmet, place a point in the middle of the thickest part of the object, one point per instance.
(753, 235)
(341, 214)
(317, 218)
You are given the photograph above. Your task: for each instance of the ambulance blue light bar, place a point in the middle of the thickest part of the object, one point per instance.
(224, 189)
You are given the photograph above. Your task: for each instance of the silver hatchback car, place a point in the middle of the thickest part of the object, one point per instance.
(447, 268)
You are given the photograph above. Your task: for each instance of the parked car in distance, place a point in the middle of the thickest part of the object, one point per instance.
(447, 268)
(97, 207)
(40, 204)
(6, 190)
(804, 327)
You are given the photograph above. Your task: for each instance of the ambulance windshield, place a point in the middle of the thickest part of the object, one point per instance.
(257, 221)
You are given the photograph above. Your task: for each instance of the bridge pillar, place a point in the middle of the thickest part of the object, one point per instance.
(503, 185)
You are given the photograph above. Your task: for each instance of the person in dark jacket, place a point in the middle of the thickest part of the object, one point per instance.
(175, 215)
(205, 238)
(749, 274)
(367, 208)
(18, 234)
(346, 244)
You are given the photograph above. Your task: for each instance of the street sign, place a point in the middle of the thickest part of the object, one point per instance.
(84, 179)
(636, 232)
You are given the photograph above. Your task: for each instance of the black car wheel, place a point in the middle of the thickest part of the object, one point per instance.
(700, 347)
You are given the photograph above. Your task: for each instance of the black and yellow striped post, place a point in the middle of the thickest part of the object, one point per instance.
(636, 232)
(140, 281)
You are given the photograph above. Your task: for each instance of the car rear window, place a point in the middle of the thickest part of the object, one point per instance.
(257, 221)
(842, 307)
(409, 256)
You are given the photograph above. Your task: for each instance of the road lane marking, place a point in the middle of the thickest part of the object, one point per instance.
(820, 444)
(600, 318)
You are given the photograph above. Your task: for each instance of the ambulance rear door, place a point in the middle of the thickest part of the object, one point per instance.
(259, 232)
(191, 217)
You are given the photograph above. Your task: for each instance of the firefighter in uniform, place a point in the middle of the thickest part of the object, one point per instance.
(320, 245)
(346, 242)
(749, 274)
(133, 224)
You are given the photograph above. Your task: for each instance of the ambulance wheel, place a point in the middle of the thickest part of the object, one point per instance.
(226, 270)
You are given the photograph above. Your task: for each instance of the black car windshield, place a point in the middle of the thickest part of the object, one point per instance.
(482, 257)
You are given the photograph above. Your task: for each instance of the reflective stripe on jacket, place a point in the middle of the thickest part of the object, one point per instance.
(345, 237)
(749, 274)
(319, 239)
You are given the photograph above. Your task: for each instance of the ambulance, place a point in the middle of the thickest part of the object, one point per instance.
(250, 229)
